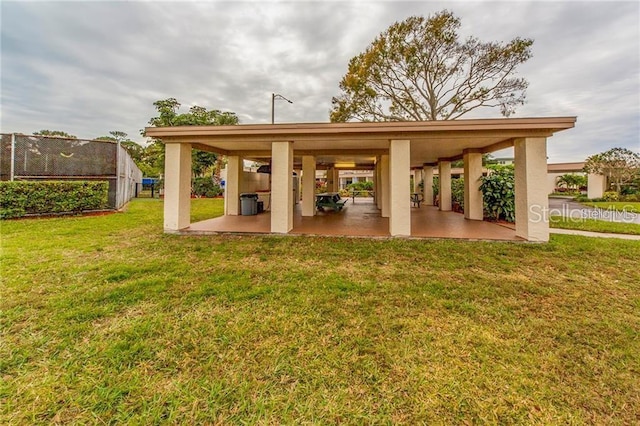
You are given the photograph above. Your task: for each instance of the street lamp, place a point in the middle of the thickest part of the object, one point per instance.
(273, 101)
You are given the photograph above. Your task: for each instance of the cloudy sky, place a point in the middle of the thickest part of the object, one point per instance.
(90, 67)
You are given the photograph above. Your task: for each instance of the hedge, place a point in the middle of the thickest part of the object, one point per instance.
(20, 198)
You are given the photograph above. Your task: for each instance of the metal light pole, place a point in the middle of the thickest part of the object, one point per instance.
(275, 96)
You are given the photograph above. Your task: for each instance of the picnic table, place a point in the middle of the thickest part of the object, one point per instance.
(330, 200)
(416, 199)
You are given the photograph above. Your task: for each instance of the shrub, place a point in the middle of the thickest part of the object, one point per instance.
(20, 198)
(610, 196)
(631, 198)
(205, 187)
(498, 193)
(436, 186)
(361, 186)
(457, 193)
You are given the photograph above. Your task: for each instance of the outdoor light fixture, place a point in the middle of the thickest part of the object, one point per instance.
(275, 96)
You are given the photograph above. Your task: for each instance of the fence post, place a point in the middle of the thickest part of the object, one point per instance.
(119, 200)
(13, 156)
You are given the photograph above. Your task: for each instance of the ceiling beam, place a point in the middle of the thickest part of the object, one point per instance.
(208, 148)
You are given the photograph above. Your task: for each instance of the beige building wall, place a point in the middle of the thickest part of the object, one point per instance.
(596, 185)
(254, 182)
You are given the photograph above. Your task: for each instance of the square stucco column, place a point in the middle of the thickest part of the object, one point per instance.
(297, 195)
(177, 186)
(399, 179)
(532, 203)
(473, 208)
(281, 187)
(232, 186)
(444, 173)
(308, 185)
(427, 189)
(384, 186)
(378, 182)
(596, 185)
(336, 179)
(417, 178)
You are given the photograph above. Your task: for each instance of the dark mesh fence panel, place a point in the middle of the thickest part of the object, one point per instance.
(51, 157)
(5, 157)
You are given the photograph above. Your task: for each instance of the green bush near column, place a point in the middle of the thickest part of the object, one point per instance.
(498, 192)
(20, 198)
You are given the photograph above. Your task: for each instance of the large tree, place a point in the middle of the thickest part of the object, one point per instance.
(419, 70)
(620, 165)
(202, 162)
(140, 154)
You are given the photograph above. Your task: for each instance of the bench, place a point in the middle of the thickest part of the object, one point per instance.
(330, 200)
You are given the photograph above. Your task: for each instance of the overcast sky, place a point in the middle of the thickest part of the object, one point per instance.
(90, 67)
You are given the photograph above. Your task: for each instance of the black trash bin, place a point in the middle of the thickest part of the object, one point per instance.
(248, 204)
(260, 206)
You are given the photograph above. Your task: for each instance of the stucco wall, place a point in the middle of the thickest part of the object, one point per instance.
(253, 182)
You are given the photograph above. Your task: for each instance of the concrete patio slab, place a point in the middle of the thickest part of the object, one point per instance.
(361, 219)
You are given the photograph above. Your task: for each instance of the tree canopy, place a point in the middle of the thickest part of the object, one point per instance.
(202, 162)
(54, 133)
(139, 153)
(419, 70)
(197, 115)
(620, 165)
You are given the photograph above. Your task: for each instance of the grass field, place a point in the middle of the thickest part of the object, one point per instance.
(107, 320)
(628, 206)
(594, 225)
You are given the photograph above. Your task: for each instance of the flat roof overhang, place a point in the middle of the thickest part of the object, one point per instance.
(359, 142)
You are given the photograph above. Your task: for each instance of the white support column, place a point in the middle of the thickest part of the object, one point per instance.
(444, 178)
(308, 185)
(596, 185)
(378, 182)
(330, 183)
(417, 178)
(532, 203)
(473, 205)
(384, 181)
(232, 186)
(297, 194)
(177, 186)
(281, 187)
(427, 190)
(400, 190)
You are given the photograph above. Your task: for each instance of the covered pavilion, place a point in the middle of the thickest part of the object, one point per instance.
(391, 149)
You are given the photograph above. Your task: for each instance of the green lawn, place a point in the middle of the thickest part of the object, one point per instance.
(628, 206)
(594, 225)
(107, 320)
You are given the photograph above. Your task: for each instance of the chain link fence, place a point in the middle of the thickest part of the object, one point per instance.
(28, 157)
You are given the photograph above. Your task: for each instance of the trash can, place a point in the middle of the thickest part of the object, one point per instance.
(248, 204)
(260, 206)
